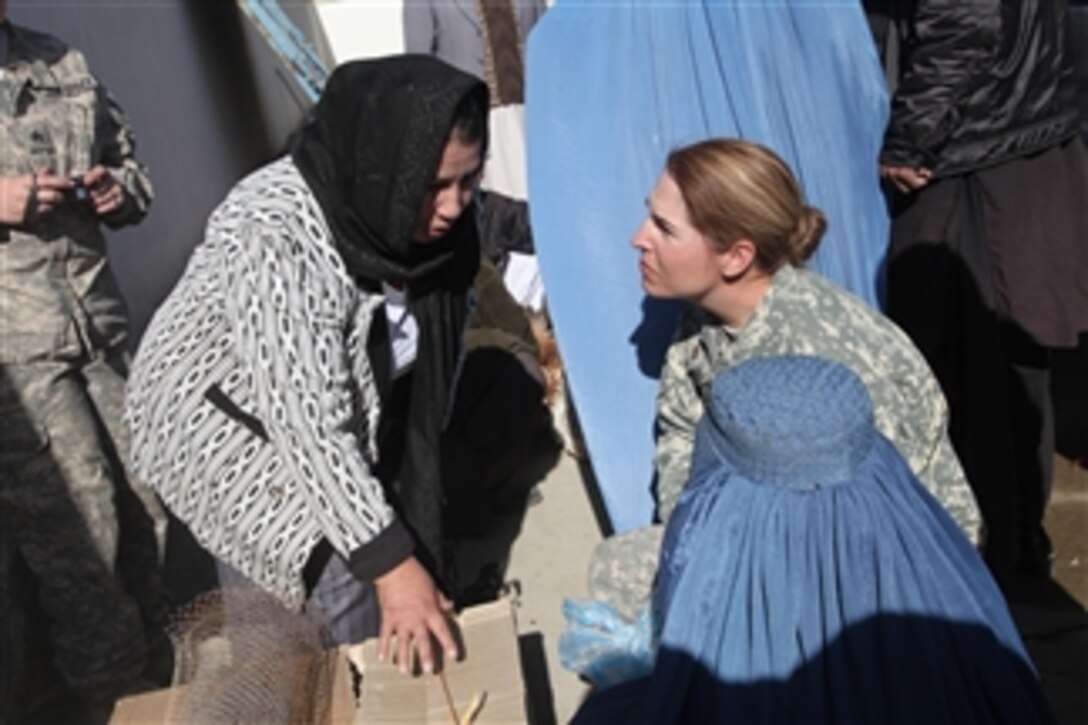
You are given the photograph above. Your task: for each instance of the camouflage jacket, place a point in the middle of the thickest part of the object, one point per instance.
(802, 313)
(58, 299)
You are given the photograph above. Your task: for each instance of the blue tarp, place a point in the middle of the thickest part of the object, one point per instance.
(612, 87)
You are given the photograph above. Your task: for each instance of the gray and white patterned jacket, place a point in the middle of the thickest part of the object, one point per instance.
(804, 314)
(252, 402)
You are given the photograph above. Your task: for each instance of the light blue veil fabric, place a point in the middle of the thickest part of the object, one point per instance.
(613, 86)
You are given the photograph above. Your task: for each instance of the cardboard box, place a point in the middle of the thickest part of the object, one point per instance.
(490, 668)
(150, 707)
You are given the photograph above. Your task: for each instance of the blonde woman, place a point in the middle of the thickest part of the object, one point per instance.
(727, 230)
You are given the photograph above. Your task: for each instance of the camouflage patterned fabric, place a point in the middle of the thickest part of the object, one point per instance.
(85, 541)
(59, 298)
(800, 314)
(622, 569)
(57, 492)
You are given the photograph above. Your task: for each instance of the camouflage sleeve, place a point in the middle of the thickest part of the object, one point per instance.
(954, 492)
(115, 147)
(622, 569)
(679, 408)
(923, 437)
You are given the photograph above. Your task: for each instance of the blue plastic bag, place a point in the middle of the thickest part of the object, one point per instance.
(604, 647)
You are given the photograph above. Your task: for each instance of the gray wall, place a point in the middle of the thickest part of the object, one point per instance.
(208, 102)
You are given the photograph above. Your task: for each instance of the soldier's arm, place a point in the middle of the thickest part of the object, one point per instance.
(116, 152)
(679, 408)
(922, 423)
(943, 467)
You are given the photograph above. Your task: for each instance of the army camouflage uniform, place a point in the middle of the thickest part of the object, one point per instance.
(800, 314)
(79, 542)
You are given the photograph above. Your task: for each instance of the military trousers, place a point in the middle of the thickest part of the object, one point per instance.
(80, 545)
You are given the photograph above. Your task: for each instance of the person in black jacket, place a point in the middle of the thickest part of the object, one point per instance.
(987, 266)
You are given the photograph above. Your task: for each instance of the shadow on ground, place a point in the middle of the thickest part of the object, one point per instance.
(480, 565)
(1050, 613)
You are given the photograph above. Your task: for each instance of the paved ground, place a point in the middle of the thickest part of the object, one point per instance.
(1051, 613)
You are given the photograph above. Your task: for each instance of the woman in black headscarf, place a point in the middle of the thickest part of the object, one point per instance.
(287, 399)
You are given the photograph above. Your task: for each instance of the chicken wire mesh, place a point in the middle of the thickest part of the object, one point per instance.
(241, 657)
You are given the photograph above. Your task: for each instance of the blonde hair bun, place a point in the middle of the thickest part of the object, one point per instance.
(806, 236)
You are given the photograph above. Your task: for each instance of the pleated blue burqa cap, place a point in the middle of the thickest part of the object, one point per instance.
(788, 421)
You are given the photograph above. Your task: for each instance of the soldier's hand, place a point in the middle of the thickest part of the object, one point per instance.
(107, 194)
(30, 195)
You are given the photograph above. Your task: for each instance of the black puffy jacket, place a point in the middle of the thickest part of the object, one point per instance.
(975, 82)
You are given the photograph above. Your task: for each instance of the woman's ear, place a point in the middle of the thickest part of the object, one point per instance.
(735, 261)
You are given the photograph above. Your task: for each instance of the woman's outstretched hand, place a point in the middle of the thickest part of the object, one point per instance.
(413, 612)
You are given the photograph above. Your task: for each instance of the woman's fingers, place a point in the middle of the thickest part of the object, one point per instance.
(425, 650)
(405, 643)
(404, 653)
(384, 636)
(440, 628)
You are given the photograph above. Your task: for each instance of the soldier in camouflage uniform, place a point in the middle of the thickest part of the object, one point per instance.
(79, 544)
(752, 299)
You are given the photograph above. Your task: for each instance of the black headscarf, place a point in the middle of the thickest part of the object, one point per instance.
(369, 152)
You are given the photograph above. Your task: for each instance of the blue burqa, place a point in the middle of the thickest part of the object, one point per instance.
(807, 576)
(612, 87)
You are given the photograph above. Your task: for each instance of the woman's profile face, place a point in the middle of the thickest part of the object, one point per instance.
(676, 260)
(452, 190)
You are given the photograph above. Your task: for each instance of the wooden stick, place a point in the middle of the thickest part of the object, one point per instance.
(449, 697)
(474, 708)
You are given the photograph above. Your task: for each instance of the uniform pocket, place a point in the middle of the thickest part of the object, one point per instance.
(58, 128)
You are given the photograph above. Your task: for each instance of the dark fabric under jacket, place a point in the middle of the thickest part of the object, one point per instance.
(978, 82)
